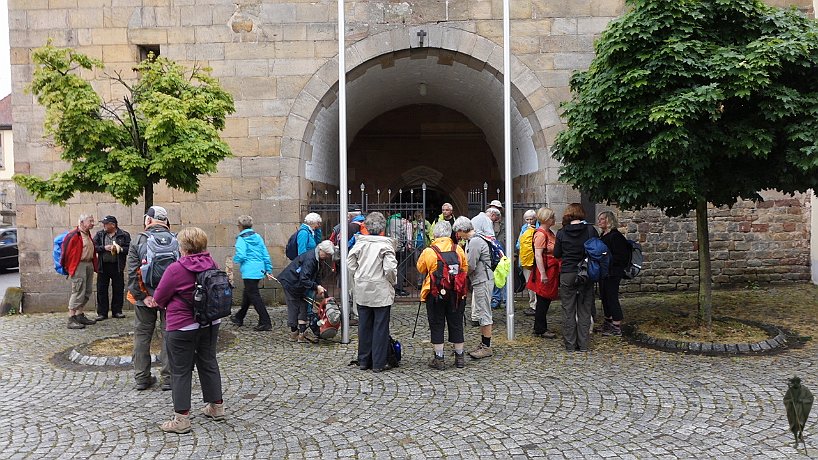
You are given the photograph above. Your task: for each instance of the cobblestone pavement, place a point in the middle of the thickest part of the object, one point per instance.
(531, 399)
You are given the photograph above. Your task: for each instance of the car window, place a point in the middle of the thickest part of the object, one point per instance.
(8, 237)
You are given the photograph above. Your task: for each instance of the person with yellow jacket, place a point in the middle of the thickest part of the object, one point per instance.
(441, 312)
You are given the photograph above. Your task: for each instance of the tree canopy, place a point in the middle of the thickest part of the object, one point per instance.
(693, 99)
(165, 128)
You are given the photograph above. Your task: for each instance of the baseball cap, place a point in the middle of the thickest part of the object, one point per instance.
(158, 213)
(496, 204)
(109, 220)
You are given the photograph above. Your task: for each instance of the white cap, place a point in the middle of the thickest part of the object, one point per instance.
(496, 204)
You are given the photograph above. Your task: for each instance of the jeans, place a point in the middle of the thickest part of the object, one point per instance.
(498, 296)
(189, 348)
(373, 335)
(144, 325)
(109, 273)
(251, 295)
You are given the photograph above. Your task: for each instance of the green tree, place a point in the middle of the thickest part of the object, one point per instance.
(165, 128)
(692, 101)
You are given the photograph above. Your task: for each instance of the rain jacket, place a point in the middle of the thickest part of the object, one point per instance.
(72, 251)
(308, 239)
(373, 270)
(252, 255)
(431, 230)
(175, 291)
(427, 261)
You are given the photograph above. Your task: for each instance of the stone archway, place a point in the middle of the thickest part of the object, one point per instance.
(311, 129)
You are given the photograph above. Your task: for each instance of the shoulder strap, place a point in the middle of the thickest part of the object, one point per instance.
(591, 231)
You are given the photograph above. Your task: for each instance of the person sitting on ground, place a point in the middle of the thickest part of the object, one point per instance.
(442, 312)
(373, 270)
(254, 261)
(300, 279)
(482, 282)
(188, 343)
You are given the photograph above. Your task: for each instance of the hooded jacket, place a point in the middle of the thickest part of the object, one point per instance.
(570, 245)
(252, 255)
(373, 269)
(308, 238)
(478, 254)
(175, 291)
(427, 261)
(301, 275)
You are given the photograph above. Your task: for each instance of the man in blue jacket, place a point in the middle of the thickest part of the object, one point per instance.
(254, 261)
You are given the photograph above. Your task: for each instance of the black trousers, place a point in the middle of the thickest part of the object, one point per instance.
(109, 273)
(189, 348)
(441, 314)
(373, 335)
(251, 295)
(540, 320)
(609, 292)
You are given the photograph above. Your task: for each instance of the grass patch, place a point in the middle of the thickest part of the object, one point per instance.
(119, 346)
(687, 329)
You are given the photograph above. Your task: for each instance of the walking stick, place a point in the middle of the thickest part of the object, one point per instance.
(417, 317)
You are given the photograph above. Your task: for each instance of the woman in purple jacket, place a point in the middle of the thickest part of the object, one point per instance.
(187, 342)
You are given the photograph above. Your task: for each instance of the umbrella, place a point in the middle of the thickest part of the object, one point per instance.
(798, 401)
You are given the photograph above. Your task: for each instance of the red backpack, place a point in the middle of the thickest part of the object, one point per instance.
(448, 282)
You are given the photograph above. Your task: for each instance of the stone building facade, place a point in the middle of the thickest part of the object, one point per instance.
(424, 106)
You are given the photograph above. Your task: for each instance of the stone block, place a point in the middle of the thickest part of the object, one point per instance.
(313, 12)
(86, 18)
(294, 49)
(243, 146)
(573, 61)
(279, 13)
(119, 53)
(551, 9)
(52, 216)
(115, 36)
(47, 19)
(592, 25)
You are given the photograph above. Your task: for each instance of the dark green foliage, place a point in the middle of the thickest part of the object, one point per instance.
(166, 128)
(695, 99)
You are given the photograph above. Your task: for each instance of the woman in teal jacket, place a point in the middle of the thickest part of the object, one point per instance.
(254, 262)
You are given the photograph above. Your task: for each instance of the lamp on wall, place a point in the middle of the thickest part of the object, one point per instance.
(422, 89)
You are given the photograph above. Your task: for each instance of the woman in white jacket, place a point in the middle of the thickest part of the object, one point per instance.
(373, 270)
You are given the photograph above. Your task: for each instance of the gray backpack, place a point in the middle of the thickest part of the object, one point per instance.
(160, 250)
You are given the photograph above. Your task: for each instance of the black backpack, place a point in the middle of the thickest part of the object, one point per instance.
(393, 353)
(291, 250)
(212, 296)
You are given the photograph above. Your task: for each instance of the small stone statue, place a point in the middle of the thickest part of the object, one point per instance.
(798, 402)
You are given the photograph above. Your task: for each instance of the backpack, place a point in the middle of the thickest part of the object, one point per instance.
(597, 261)
(57, 253)
(495, 251)
(159, 251)
(336, 234)
(393, 352)
(527, 248)
(635, 263)
(212, 296)
(329, 318)
(448, 282)
(291, 251)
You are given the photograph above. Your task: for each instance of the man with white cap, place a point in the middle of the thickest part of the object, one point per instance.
(150, 253)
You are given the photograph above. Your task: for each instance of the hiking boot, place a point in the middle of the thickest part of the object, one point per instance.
(613, 331)
(481, 352)
(263, 327)
(178, 424)
(142, 386)
(306, 337)
(460, 360)
(437, 363)
(293, 336)
(74, 324)
(235, 321)
(165, 386)
(529, 311)
(82, 319)
(118, 315)
(100, 318)
(214, 411)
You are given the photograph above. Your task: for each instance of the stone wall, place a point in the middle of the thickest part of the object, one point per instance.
(766, 242)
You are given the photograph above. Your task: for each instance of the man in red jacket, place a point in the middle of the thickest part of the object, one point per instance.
(79, 258)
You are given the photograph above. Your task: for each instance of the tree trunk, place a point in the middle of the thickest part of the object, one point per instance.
(148, 196)
(705, 314)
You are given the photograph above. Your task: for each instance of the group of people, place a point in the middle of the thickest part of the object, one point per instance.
(166, 295)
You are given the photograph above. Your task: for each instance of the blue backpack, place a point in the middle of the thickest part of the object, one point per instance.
(57, 253)
(597, 261)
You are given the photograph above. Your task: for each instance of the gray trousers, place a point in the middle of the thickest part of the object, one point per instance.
(144, 325)
(577, 308)
(189, 348)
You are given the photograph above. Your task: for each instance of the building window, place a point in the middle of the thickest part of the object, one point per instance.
(146, 50)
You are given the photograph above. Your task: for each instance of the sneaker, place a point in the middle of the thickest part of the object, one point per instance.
(165, 386)
(235, 321)
(82, 319)
(178, 424)
(529, 312)
(100, 318)
(74, 324)
(293, 336)
(481, 352)
(263, 327)
(613, 331)
(437, 363)
(306, 337)
(460, 360)
(118, 315)
(142, 386)
(214, 411)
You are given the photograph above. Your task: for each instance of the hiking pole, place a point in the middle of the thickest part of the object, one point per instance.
(417, 317)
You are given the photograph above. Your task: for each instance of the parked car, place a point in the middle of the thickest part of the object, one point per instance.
(9, 256)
